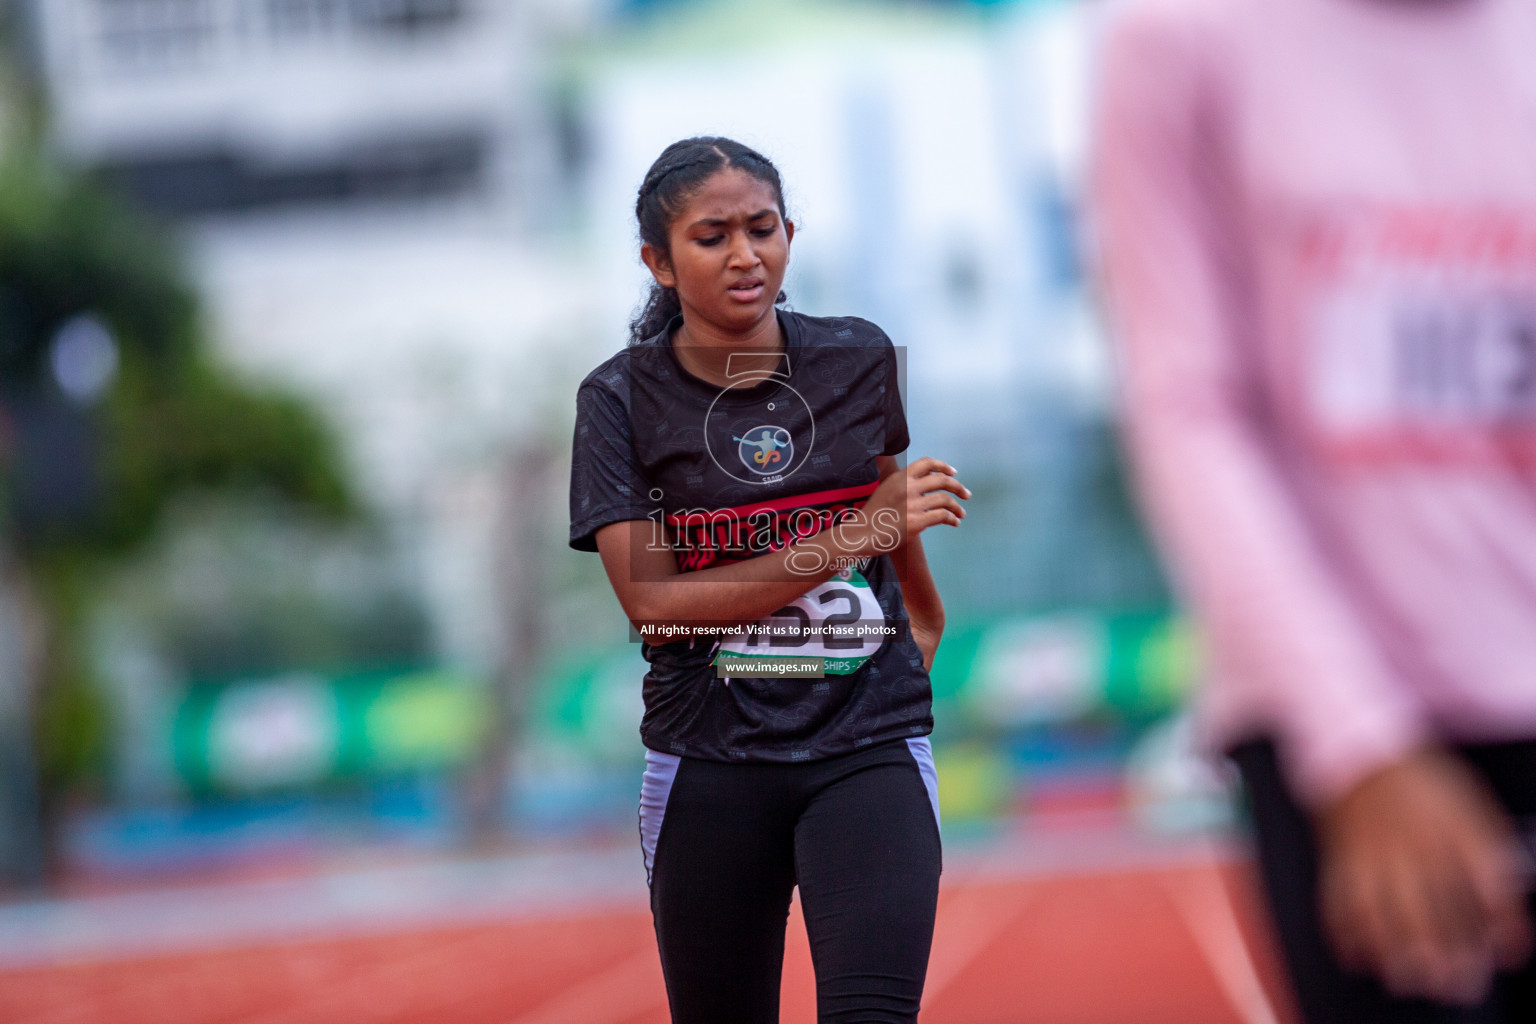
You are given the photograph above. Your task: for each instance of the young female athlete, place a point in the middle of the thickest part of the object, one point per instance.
(735, 468)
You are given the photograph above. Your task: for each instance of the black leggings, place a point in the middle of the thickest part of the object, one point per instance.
(727, 843)
(1288, 860)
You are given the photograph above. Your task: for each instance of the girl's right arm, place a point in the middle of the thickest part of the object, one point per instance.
(651, 589)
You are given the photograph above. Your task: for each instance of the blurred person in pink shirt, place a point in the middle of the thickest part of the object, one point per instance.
(1316, 222)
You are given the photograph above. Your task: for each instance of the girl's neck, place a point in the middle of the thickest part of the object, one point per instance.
(710, 354)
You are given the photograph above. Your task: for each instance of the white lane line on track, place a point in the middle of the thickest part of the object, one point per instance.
(628, 988)
(1202, 900)
(360, 901)
(969, 922)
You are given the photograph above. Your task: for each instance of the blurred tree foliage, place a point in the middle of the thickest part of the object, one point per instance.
(171, 421)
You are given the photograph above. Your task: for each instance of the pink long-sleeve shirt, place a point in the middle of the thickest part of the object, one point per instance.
(1316, 221)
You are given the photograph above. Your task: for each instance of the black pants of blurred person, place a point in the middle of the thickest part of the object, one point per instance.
(1288, 861)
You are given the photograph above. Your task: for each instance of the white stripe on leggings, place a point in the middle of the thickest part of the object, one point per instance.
(922, 753)
(655, 789)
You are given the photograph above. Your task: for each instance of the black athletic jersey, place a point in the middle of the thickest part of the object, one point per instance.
(731, 473)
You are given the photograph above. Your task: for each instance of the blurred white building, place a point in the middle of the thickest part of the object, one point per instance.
(212, 105)
(361, 186)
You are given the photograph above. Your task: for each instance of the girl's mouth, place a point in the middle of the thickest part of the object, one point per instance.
(747, 290)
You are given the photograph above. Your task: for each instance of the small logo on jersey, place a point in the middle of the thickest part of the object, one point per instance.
(766, 451)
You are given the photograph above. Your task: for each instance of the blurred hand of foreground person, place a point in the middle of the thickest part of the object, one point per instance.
(1423, 879)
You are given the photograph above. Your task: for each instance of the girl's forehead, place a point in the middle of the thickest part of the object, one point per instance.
(729, 192)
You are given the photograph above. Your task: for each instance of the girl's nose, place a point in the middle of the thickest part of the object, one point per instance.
(742, 253)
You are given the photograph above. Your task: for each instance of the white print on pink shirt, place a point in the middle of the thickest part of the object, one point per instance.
(1421, 330)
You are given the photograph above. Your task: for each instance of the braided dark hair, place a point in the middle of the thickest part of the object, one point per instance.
(679, 172)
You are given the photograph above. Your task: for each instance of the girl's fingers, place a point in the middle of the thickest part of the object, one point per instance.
(934, 517)
(927, 465)
(932, 491)
(941, 481)
(941, 499)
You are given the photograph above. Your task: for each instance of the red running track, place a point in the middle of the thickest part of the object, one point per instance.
(1175, 944)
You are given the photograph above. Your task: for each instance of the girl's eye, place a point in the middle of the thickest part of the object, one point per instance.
(710, 240)
(764, 232)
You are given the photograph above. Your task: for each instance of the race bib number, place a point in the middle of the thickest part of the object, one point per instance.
(840, 620)
(1423, 344)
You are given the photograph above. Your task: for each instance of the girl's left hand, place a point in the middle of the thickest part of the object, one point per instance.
(925, 494)
(927, 640)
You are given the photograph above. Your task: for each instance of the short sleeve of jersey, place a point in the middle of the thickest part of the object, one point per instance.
(606, 485)
(897, 440)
